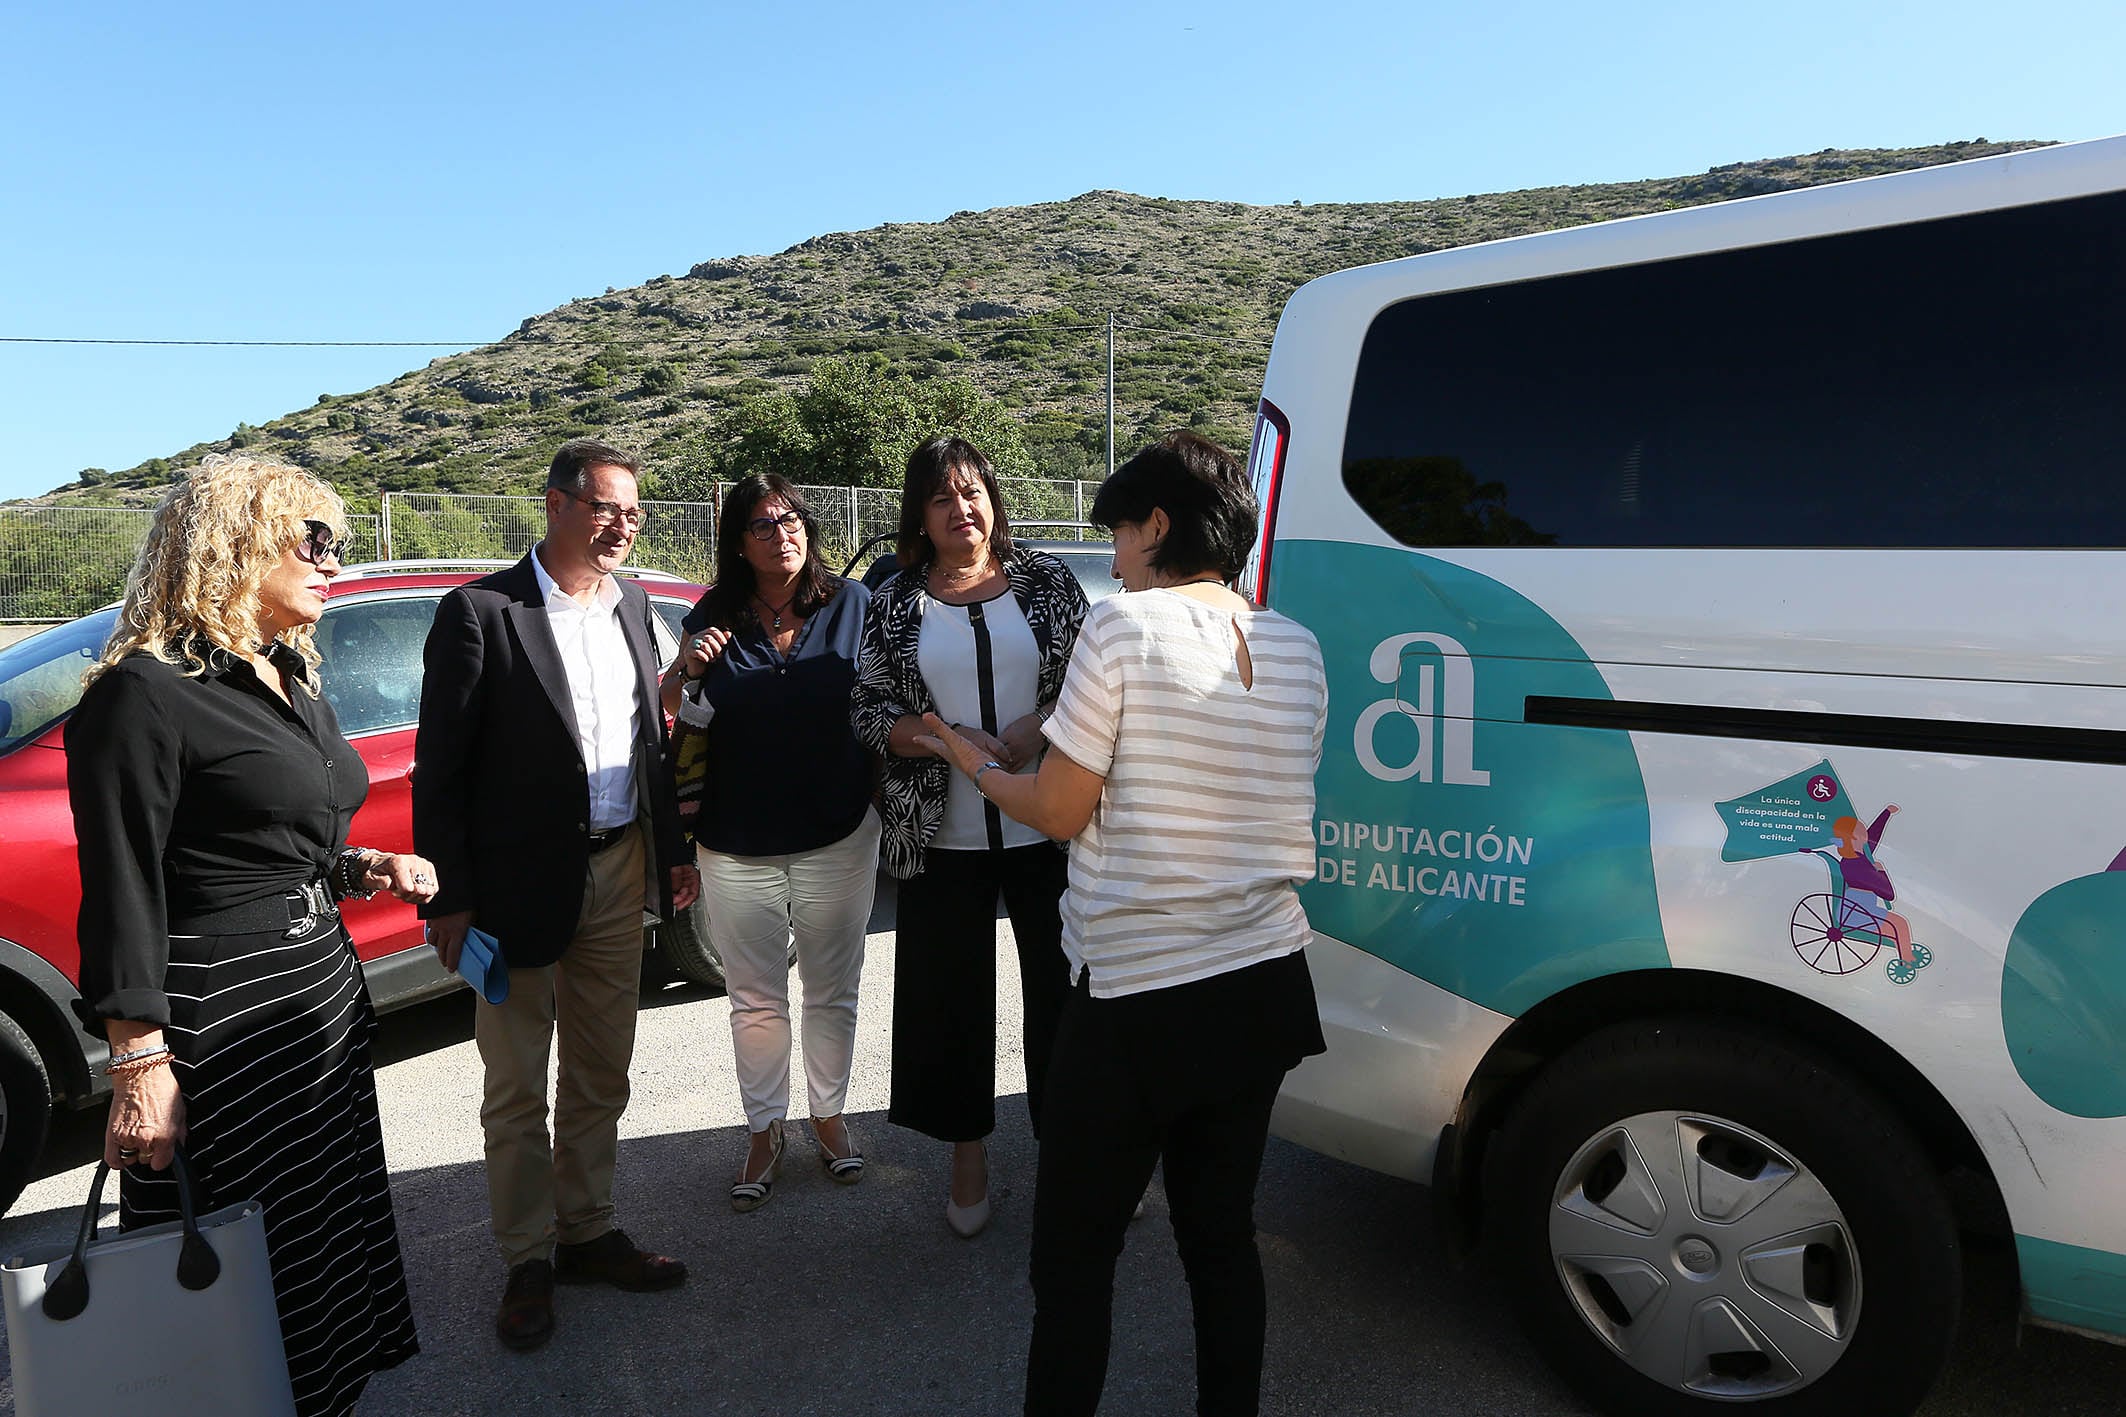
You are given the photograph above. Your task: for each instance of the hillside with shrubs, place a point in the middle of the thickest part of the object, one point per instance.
(820, 359)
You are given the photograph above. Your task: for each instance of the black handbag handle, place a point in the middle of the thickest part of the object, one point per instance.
(197, 1264)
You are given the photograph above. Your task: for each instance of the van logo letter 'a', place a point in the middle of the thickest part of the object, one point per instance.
(1449, 716)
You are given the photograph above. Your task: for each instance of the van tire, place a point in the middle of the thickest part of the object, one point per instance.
(1892, 1298)
(25, 1109)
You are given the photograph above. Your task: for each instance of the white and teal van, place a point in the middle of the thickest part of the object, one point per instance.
(1722, 822)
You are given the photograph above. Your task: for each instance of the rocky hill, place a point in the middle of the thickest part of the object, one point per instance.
(1015, 299)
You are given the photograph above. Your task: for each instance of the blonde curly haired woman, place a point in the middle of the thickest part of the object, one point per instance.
(212, 793)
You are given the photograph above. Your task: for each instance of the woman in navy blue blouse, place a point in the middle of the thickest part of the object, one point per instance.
(787, 837)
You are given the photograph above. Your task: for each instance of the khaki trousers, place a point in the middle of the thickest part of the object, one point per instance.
(539, 1190)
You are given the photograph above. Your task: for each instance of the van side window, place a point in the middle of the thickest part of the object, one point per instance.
(1953, 383)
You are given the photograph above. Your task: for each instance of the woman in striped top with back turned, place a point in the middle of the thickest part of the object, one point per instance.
(1186, 738)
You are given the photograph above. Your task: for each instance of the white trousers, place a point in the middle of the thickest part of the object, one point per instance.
(755, 903)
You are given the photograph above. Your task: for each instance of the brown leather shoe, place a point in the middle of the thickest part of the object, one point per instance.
(613, 1259)
(526, 1319)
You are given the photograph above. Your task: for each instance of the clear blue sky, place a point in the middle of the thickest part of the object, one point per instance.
(442, 170)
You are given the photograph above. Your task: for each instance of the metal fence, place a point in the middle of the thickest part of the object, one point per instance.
(680, 537)
(57, 562)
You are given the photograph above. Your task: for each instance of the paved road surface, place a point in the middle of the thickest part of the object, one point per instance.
(859, 1300)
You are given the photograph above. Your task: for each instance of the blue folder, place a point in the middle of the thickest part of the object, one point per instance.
(483, 966)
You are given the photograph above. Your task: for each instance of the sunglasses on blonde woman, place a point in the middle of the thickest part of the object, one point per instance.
(319, 542)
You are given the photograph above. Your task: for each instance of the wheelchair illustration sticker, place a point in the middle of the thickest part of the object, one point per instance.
(1844, 928)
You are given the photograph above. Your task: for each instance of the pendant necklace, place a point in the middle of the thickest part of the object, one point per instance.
(944, 585)
(775, 610)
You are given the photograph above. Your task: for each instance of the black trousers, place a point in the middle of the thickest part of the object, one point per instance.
(1131, 1085)
(945, 984)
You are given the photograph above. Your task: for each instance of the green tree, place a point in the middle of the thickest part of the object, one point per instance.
(854, 423)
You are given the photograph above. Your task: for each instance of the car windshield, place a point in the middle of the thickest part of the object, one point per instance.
(40, 677)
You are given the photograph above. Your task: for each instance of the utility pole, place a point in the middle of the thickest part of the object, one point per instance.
(1110, 395)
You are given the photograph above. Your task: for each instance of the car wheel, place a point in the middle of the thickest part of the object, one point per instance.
(25, 1109)
(684, 942)
(1691, 1217)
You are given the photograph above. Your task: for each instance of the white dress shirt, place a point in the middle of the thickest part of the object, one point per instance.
(601, 687)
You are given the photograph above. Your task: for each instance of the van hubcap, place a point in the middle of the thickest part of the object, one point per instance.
(1705, 1256)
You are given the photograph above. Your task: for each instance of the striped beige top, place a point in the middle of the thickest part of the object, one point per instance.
(1205, 824)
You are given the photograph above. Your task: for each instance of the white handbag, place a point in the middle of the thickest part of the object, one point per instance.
(177, 1319)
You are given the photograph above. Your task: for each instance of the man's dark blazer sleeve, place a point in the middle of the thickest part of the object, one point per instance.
(446, 751)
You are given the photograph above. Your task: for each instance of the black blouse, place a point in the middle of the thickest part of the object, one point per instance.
(191, 796)
(785, 772)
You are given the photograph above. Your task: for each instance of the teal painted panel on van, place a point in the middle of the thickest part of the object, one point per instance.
(2070, 1285)
(2063, 995)
(1501, 860)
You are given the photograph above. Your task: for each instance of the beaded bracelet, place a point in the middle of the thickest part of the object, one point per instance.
(348, 872)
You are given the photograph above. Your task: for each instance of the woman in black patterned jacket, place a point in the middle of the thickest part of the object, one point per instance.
(979, 632)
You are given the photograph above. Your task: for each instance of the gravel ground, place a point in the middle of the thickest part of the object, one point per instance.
(859, 1300)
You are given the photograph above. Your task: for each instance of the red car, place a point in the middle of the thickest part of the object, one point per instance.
(371, 638)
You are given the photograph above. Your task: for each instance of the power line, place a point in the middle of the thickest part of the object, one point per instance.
(259, 343)
(1215, 336)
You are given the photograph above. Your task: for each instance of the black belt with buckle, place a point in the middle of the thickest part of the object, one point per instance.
(293, 913)
(609, 837)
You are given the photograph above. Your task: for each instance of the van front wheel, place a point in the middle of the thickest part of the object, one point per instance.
(1692, 1217)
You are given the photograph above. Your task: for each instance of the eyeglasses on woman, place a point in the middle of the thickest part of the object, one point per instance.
(765, 528)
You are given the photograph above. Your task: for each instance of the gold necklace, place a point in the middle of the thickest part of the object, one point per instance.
(947, 586)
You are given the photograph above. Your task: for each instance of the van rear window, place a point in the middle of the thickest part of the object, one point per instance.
(1955, 383)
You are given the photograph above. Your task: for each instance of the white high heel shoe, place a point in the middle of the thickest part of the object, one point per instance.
(968, 1221)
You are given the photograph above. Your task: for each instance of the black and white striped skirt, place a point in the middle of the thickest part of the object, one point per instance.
(272, 1041)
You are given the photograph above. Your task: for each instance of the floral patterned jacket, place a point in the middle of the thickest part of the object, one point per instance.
(889, 683)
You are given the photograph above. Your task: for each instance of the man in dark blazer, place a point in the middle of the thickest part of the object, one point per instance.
(541, 794)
